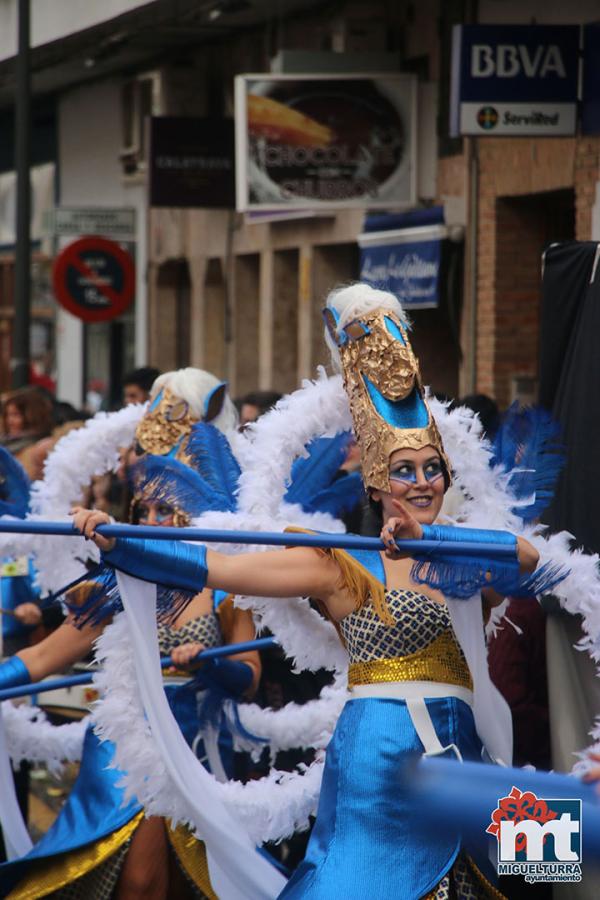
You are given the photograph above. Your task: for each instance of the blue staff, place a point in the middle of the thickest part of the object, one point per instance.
(68, 681)
(464, 795)
(489, 549)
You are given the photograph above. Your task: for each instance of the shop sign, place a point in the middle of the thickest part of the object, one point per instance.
(192, 162)
(514, 79)
(73, 221)
(94, 279)
(406, 262)
(325, 141)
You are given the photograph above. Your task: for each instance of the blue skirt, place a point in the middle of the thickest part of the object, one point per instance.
(368, 840)
(96, 806)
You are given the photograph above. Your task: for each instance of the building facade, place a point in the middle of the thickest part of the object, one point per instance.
(215, 288)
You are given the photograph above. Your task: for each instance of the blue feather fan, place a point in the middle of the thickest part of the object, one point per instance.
(312, 482)
(527, 445)
(14, 486)
(212, 457)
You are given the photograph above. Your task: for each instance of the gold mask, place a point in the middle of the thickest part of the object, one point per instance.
(165, 427)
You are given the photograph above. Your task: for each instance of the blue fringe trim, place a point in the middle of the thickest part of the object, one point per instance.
(461, 579)
(104, 601)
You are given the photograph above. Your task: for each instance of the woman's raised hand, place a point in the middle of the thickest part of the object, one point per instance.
(401, 526)
(87, 520)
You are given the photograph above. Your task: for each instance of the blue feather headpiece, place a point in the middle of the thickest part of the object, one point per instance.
(15, 486)
(208, 480)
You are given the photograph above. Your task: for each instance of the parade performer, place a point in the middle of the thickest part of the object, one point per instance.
(100, 845)
(417, 673)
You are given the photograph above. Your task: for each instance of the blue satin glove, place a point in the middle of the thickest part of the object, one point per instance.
(13, 673)
(229, 676)
(172, 563)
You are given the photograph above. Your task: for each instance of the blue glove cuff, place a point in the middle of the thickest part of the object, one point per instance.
(229, 675)
(13, 673)
(173, 563)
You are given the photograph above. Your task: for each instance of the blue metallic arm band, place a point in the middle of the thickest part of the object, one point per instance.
(13, 673)
(173, 563)
(470, 535)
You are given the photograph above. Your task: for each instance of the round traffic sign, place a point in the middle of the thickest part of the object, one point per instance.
(94, 278)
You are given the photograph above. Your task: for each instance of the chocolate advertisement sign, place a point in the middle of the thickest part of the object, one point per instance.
(325, 141)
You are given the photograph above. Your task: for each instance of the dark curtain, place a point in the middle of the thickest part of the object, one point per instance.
(570, 382)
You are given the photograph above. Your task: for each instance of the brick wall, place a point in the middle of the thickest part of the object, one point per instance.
(531, 191)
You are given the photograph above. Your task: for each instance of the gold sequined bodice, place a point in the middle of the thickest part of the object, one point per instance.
(419, 646)
(205, 630)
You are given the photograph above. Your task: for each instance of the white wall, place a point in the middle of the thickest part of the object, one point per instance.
(89, 129)
(54, 19)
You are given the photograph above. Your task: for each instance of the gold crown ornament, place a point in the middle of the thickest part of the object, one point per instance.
(166, 426)
(383, 383)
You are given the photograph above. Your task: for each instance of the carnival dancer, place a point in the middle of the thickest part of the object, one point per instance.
(418, 678)
(101, 846)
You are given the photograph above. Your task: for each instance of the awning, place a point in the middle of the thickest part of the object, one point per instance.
(402, 253)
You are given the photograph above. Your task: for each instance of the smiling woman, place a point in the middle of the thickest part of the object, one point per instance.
(416, 663)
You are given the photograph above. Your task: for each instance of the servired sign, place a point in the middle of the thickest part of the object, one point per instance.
(94, 279)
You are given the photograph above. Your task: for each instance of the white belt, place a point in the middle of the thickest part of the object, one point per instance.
(415, 693)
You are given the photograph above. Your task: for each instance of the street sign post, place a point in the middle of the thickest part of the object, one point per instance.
(94, 279)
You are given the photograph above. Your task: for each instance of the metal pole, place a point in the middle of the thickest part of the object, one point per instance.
(20, 338)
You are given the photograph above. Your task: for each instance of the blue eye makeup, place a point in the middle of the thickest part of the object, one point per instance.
(406, 472)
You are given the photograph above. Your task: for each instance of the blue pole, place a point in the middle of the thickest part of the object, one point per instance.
(40, 687)
(463, 796)
(268, 538)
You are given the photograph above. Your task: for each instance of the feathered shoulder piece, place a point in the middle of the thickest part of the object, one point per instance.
(528, 447)
(15, 486)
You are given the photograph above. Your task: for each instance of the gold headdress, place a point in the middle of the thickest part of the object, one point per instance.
(383, 383)
(168, 423)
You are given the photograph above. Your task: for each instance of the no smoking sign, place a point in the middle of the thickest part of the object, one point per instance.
(94, 279)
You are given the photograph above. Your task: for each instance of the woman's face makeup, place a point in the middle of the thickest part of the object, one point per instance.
(152, 513)
(417, 479)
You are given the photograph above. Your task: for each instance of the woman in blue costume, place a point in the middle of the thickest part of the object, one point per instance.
(100, 847)
(412, 690)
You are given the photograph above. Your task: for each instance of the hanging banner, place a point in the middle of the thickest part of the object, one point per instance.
(406, 262)
(325, 141)
(192, 162)
(514, 79)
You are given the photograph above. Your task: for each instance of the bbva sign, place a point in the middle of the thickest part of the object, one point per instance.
(513, 60)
